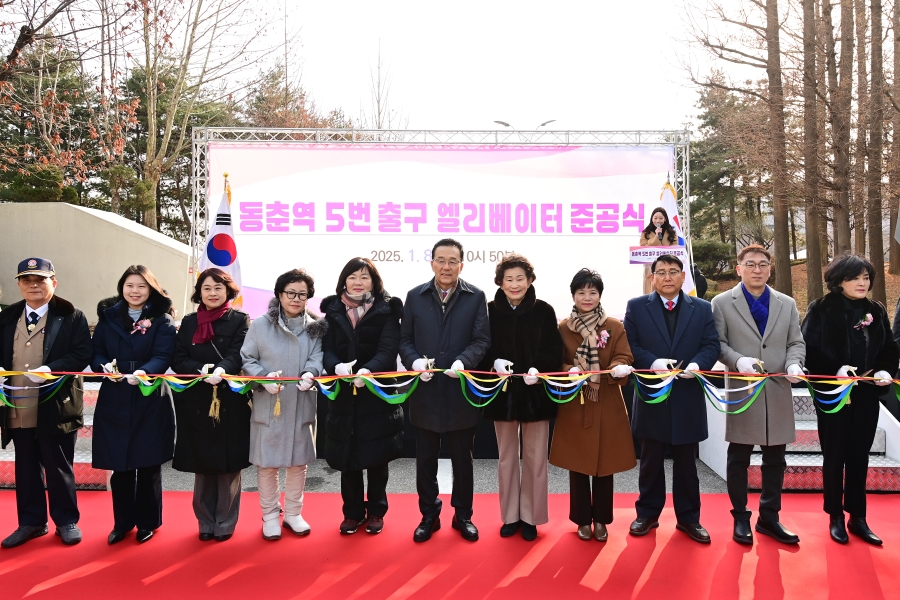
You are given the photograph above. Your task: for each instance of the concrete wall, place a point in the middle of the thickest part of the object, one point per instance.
(90, 249)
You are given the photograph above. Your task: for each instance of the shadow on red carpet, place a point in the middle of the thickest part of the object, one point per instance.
(664, 564)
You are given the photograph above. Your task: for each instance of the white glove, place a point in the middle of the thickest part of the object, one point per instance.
(620, 371)
(882, 378)
(455, 368)
(360, 381)
(306, 382)
(845, 371)
(111, 369)
(501, 365)
(532, 377)
(575, 369)
(792, 372)
(2, 379)
(216, 376)
(422, 365)
(662, 365)
(745, 365)
(344, 369)
(274, 387)
(686, 374)
(36, 379)
(133, 378)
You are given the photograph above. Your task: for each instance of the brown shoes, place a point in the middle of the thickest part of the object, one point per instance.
(374, 525)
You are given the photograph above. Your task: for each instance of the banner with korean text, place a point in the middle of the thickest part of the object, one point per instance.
(316, 206)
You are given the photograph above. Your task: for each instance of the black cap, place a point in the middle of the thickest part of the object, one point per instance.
(36, 266)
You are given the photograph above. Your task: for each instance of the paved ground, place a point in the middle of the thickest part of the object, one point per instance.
(321, 478)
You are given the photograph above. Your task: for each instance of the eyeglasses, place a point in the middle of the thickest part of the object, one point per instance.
(292, 295)
(670, 273)
(442, 262)
(762, 266)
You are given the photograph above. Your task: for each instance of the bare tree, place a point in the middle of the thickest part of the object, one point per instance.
(381, 114)
(895, 144)
(876, 147)
(34, 21)
(862, 106)
(810, 152)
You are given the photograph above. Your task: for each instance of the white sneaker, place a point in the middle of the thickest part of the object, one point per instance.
(296, 524)
(271, 530)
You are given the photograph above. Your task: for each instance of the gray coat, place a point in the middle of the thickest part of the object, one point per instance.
(770, 421)
(288, 439)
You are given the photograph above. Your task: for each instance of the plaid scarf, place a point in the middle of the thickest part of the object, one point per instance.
(357, 305)
(587, 356)
(444, 297)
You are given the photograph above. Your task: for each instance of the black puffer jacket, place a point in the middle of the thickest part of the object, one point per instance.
(362, 430)
(528, 337)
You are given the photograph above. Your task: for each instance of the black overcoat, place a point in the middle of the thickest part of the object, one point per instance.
(458, 330)
(67, 348)
(204, 445)
(362, 431)
(681, 419)
(528, 337)
(131, 430)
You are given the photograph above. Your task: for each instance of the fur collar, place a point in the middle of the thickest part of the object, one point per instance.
(156, 306)
(316, 326)
(58, 306)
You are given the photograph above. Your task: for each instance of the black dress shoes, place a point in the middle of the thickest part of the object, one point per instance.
(23, 534)
(115, 537)
(510, 529)
(426, 528)
(224, 537)
(143, 535)
(529, 532)
(642, 526)
(466, 528)
(206, 537)
(776, 530)
(742, 533)
(837, 530)
(695, 531)
(858, 527)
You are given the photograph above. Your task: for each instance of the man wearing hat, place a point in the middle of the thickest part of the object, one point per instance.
(43, 333)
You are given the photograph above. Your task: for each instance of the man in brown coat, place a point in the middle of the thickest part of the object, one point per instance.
(759, 330)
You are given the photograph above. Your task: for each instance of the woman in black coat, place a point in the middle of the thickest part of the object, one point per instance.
(524, 338)
(844, 331)
(213, 441)
(134, 434)
(363, 431)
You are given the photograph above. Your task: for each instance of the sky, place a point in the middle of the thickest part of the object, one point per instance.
(600, 64)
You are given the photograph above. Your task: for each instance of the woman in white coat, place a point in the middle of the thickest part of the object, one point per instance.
(285, 342)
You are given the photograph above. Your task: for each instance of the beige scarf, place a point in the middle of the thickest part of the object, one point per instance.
(587, 356)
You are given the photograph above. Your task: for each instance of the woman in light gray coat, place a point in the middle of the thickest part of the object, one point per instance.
(285, 342)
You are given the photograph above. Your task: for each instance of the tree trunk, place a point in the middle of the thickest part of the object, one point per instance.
(810, 154)
(895, 148)
(778, 149)
(876, 147)
(840, 96)
(821, 115)
(862, 107)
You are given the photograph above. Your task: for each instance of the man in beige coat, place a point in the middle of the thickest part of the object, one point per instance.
(759, 330)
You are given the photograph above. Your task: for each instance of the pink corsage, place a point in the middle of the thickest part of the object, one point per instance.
(864, 322)
(603, 338)
(143, 325)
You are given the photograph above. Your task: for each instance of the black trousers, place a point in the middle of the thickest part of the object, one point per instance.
(846, 437)
(428, 448)
(354, 492)
(652, 481)
(773, 466)
(585, 507)
(55, 455)
(137, 498)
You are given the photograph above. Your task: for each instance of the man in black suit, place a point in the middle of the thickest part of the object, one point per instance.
(43, 333)
(666, 328)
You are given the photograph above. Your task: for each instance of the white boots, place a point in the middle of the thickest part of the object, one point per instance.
(296, 524)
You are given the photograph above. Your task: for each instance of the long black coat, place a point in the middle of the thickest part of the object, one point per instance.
(362, 431)
(528, 337)
(681, 419)
(203, 445)
(67, 347)
(131, 430)
(827, 336)
(457, 331)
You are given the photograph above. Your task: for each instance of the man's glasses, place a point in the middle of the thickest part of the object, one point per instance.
(442, 262)
(670, 273)
(762, 266)
(292, 295)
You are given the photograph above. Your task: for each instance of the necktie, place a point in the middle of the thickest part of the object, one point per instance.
(670, 305)
(33, 318)
(444, 294)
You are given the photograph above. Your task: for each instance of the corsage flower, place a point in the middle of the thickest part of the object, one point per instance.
(603, 338)
(864, 322)
(143, 325)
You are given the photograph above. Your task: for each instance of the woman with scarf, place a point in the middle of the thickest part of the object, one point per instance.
(524, 339)
(847, 334)
(658, 232)
(286, 342)
(363, 432)
(592, 436)
(213, 421)
(134, 433)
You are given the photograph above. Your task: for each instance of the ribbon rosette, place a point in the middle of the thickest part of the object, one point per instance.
(143, 325)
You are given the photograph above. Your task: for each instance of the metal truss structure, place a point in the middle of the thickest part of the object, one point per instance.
(202, 137)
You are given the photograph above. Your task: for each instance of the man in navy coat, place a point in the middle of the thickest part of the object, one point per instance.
(668, 327)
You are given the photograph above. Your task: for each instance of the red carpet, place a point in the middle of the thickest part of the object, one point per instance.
(664, 564)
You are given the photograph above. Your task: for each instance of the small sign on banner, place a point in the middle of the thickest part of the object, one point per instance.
(645, 255)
